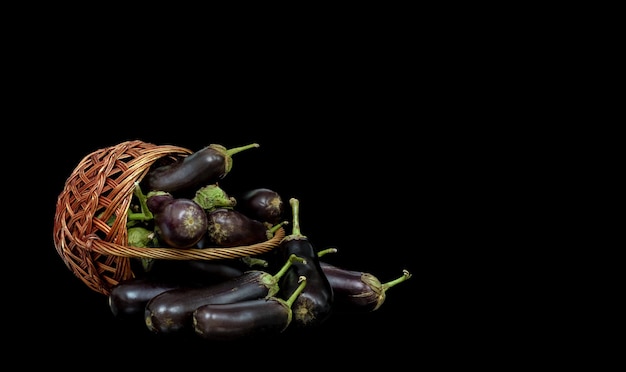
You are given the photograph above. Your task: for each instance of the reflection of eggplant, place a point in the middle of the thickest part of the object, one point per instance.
(227, 227)
(181, 223)
(262, 204)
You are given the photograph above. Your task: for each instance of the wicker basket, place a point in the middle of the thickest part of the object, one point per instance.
(102, 186)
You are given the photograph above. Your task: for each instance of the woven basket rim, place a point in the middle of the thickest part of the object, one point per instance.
(100, 187)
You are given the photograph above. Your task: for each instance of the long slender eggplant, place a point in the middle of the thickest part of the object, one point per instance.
(250, 319)
(314, 305)
(357, 290)
(203, 167)
(129, 298)
(171, 311)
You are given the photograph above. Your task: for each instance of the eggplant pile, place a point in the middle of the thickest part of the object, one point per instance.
(180, 204)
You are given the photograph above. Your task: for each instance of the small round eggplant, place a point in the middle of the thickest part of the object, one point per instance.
(181, 223)
(262, 204)
(358, 290)
(245, 319)
(203, 167)
(227, 227)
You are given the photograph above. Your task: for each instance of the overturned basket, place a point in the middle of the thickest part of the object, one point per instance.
(101, 186)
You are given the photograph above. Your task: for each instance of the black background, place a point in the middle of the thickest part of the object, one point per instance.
(384, 159)
(376, 192)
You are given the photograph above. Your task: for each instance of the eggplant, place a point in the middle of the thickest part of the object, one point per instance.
(205, 166)
(262, 204)
(357, 290)
(171, 311)
(315, 304)
(129, 298)
(249, 319)
(227, 227)
(155, 200)
(181, 223)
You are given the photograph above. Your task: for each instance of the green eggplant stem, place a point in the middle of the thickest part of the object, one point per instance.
(405, 275)
(295, 211)
(228, 153)
(293, 258)
(275, 228)
(235, 150)
(145, 214)
(302, 280)
(325, 251)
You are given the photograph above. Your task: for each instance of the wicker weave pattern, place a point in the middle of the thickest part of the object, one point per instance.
(101, 187)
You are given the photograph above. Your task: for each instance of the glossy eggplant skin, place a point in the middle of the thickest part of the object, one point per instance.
(201, 167)
(358, 291)
(181, 223)
(354, 290)
(171, 311)
(232, 321)
(205, 166)
(229, 228)
(262, 204)
(250, 318)
(315, 304)
(128, 299)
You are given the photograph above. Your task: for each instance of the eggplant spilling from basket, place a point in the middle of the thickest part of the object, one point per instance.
(189, 257)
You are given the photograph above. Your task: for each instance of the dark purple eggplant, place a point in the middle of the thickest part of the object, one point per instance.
(171, 311)
(262, 204)
(181, 223)
(314, 305)
(129, 298)
(228, 227)
(203, 167)
(245, 319)
(155, 200)
(357, 290)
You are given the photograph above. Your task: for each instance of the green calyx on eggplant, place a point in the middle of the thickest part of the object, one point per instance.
(227, 227)
(181, 223)
(171, 311)
(262, 204)
(315, 304)
(245, 319)
(357, 290)
(212, 196)
(205, 166)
